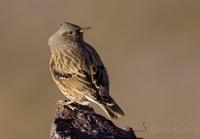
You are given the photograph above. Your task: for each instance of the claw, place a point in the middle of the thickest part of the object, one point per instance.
(61, 103)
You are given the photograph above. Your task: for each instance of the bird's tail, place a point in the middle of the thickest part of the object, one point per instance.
(112, 110)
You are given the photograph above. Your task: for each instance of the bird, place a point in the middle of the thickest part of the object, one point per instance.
(78, 70)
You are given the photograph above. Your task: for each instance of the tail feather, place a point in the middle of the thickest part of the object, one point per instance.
(112, 110)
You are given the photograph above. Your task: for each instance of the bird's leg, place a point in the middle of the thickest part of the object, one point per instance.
(66, 103)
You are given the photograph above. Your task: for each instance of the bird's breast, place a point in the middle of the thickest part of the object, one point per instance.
(69, 60)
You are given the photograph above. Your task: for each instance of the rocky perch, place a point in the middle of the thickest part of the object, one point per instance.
(84, 123)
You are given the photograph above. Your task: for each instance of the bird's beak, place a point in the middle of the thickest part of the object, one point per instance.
(84, 29)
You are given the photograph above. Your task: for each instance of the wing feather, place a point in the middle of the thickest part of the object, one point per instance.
(98, 73)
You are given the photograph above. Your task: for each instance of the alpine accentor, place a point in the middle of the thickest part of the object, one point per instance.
(78, 70)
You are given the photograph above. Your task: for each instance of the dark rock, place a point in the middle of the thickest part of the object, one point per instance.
(84, 123)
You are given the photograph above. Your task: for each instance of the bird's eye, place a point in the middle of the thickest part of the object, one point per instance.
(70, 32)
(64, 34)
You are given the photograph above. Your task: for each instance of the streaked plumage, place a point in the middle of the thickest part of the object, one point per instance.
(78, 70)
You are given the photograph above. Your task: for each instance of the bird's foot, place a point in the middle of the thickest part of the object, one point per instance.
(61, 103)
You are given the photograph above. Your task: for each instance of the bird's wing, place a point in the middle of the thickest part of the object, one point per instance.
(99, 78)
(98, 74)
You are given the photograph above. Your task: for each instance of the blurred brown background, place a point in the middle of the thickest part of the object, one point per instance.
(151, 49)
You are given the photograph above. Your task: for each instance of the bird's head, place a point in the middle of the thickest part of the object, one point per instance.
(68, 32)
(71, 31)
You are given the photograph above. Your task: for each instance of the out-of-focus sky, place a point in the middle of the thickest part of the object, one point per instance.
(151, 49)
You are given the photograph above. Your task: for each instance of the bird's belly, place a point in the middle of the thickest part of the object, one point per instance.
(73, 91)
